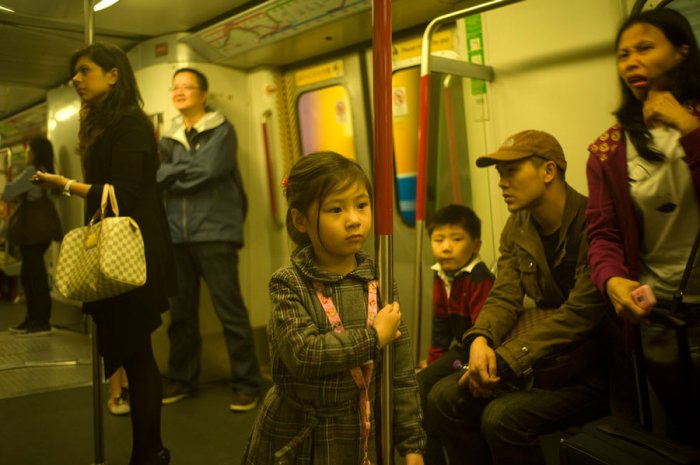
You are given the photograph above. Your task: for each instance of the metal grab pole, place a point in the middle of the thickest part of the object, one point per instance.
(97, 417)
(423, 123)
(383, 179)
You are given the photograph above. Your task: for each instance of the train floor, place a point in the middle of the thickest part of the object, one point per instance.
(46, 415)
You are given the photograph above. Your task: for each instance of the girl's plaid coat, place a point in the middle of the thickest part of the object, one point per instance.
(310, 415)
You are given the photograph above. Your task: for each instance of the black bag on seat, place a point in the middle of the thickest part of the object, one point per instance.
(615, 441)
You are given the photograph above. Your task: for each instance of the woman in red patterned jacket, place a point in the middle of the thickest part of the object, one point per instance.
(644, 185)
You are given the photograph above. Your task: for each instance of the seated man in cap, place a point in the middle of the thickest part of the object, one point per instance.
(531, 370)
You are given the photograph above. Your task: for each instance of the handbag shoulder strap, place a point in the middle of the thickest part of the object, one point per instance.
(678, 296)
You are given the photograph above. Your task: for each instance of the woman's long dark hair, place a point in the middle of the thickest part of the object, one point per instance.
(124, 96)
(685, 84)
(42, 151)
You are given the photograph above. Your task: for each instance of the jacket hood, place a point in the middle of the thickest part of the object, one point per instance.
(209, 121)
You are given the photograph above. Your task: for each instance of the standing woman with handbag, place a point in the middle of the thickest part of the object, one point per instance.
(33, 226)
(118, 146)
(644, 196)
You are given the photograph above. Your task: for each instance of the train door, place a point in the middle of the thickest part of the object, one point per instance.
(328, 106)
(326, 109)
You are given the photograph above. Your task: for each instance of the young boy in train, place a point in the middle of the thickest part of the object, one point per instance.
(461, 284)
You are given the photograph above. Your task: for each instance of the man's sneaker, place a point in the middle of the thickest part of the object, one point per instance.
(243, 402)
(174, 391)
(34, 329)
(20, 328)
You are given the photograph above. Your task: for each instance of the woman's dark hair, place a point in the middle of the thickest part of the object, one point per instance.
(124, 96)
(42, 152)
(312, 178)
(201, 78)
(685, 84)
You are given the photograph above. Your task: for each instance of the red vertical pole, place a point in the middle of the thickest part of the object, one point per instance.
(383, 150)
(384, 203)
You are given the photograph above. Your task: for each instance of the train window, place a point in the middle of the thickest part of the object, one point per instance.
(16, 162)
(325, 121)
(405, 107)
(448, 177)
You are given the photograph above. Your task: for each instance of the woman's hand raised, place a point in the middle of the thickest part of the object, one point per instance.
(662, 108)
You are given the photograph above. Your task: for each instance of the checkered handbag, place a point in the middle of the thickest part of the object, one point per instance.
(103, 259)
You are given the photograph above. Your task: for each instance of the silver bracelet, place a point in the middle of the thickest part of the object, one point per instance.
(66, 187)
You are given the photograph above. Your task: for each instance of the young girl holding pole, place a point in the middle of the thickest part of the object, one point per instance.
(327, 330)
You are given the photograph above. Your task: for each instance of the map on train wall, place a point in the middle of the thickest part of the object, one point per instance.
(270, 21)
(22, 126)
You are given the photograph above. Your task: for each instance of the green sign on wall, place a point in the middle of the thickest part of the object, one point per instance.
(475, 47)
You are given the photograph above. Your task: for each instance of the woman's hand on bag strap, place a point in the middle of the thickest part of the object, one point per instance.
(56, 181)
(619, 291)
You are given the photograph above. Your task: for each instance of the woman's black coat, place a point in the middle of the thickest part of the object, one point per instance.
(125, 155)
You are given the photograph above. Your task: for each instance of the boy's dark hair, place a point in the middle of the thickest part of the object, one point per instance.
(457, 215)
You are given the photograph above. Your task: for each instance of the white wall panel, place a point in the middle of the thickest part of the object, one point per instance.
(555, 71)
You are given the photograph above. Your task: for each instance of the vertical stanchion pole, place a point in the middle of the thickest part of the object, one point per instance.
(421, 187)
(423, 130)
(383, 213)
(97, 418)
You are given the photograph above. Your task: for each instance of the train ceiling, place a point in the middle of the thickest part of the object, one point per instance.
(39, 37)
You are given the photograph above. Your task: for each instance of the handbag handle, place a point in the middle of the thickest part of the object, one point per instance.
(108, 196)
(113, 200)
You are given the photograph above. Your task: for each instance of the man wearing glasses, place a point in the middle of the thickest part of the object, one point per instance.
(206, 207)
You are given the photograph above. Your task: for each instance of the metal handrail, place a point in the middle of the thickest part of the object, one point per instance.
(265, 126)
(428, 61)
(383, 176)
(97, 415)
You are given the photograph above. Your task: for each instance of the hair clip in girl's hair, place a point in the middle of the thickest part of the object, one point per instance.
(285, 182)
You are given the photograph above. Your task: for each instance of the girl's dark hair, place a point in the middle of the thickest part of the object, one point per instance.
(201, 78)
(42, 151)
(685, 84)
(124, 96)
(312, 178)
